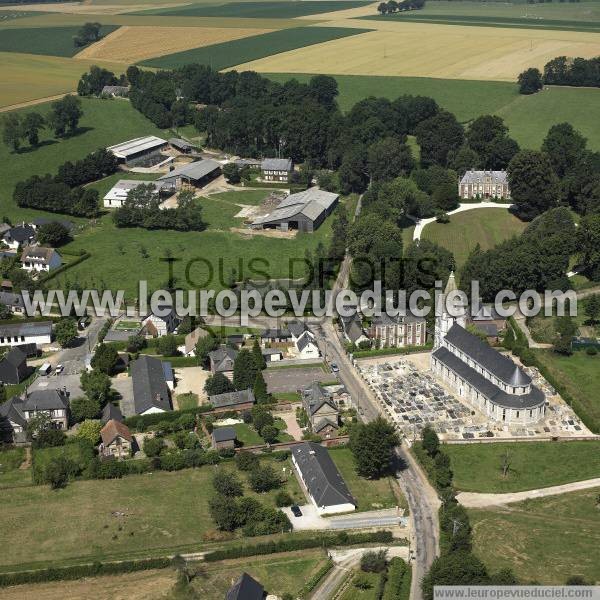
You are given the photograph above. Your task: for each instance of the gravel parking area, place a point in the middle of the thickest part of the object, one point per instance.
(191, 379)
(294, 379)
(55, 382)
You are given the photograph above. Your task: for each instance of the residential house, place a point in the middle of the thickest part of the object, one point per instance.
(489, 322)
(303, 211)
(191, 175)
(321, 410)
(398, 331)
(115, 91)
(272, 354)
(13, 367)
(245, 588)
(223, 437)
(191, 339)
(40, 259)
(117, 441)
(323, 482)
(150, 390)
(164, 322)
(222, 360)
(14, 302)
(484, 184)
(18, 236)
(54, 403)
(142, 151)
(110, 412)
(34, 332)
(296, 329)
(353, 330)
(240, 401)
(275, 336)
(306, 346)
(277, 169)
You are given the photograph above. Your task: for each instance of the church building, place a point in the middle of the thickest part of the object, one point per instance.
(487, 380)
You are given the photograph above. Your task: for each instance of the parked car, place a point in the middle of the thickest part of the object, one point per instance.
(83, 323)
(334, 367)
(296, 510)
(59, 369)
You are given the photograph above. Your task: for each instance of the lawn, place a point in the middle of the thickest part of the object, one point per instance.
(533, 465)
(279, 574)
(157, 512)
(546, 540)
(228, 54)
(53, 41)
(486, 227)
(281, 10)
(369, 494)
(580, 375)
(187, 401)
(351, 592)
(11, 458)
(248, 436)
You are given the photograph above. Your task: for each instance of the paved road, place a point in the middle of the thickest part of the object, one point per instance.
(73, 358)
(471, 500)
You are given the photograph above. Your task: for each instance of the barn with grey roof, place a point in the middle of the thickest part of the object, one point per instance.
(194, 174)
(304, 211)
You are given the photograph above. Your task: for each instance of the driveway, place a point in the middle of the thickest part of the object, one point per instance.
(191, 379)
(294, 379)
(289, 418)
(124, 387)
(70, 383)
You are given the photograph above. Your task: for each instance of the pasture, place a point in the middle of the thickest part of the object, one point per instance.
(133, 44)
(546, 540)
(282, 10)
(53, 41)
(228, 54)
(486, 227)
(533, 465)
(430, 50)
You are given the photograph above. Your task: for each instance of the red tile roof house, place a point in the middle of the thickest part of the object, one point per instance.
(117, 440)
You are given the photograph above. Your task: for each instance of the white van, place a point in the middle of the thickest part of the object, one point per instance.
(45, 369)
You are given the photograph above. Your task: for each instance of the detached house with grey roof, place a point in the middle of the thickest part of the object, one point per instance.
(276, 169)
(484, 184)
(321, 410)
(221, 361)
(322, 480)
(39, 259)
(13, 367)
(150, 390)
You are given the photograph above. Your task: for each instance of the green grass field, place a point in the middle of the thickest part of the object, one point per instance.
(580, 374)
(281, 10)
(583, 16)
(546, 540)
(353, 593)
(371, 494)
(228, 54)
(53, 41)
(478, 467)
(163, 512)
(486, 227)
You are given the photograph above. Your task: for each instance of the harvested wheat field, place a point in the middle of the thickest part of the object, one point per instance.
(368, 10)
(429, 50)
(134, 44)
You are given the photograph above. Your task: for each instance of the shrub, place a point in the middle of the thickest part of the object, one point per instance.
(263, 479)
(374, 562)
(153, 446)
(282, 498)
(227, 484)
(591, 351)
(246, 461)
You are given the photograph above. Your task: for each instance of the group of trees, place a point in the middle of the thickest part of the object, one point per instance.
(93, 82)
(142, 208)
(87, 34)
(576, 72)
(390, 7)
(63, 118)
(372, 446)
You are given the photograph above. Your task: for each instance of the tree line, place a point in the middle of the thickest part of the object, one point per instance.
(63, 119)
(387, 8)
(62, 193)
(562, 70)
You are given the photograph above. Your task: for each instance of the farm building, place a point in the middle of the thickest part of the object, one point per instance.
(37, 332)
(276, 169)
(143, 151)
(242, 400)
(38, 258)
(304, 211)
(223, 437)
(118, 193)
(181, 145)
(194, 174)
(321, 478)
(484, 184)
(115, 91)
(251, 163)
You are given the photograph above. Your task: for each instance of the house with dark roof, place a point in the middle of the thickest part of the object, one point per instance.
(13, 367)
(487, 380)
(150, 390)
(352, 329)
(241, 400)
(117, 441)
(180, 145)
(13, 424)
(322, 480)
(40, 259)
(54, 403)
(276, 169)
(306, 346)
(398, 331)
(12, 301)
(223, 437)
(488, 321)
(484, 184)
(162, 322)
(245, 588)
(143, 151)
(195, 174)
(221, 361)
(18, 236)
(275, 336)
(29, 332)
(303, 211)
(321, 410)
(110, 412)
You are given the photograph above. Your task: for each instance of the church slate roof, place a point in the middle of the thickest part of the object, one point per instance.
(500, 366)
(492, 392)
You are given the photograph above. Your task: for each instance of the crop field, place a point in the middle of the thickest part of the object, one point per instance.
(533, 465)
(567, 16)
(486, 227)
(227, 54)
(27, 77)
(53, 41)
(133, 44)
(430, 50)
(546, 540)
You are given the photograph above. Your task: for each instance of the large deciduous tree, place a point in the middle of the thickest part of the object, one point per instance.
(372, 445)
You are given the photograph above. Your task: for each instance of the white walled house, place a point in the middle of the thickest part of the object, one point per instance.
(159, 325)
(117, 195)
(307, 346)
(37, 332)
(17, 236)
(325, 485)
(38, 259)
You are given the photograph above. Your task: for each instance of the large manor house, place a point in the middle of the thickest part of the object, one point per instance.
(487, 380)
